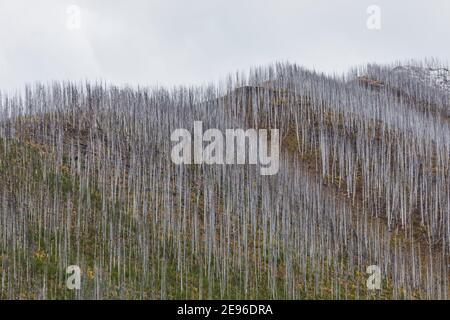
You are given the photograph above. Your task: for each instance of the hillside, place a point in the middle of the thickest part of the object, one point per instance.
(364, 180)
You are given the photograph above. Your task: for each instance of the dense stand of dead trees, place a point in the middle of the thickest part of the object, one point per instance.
(87, 180)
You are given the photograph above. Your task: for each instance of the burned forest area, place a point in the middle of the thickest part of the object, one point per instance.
(363, 184)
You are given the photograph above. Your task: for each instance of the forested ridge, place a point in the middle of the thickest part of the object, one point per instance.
(87, 180)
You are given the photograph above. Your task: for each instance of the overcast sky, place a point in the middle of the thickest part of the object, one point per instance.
(171, 42)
